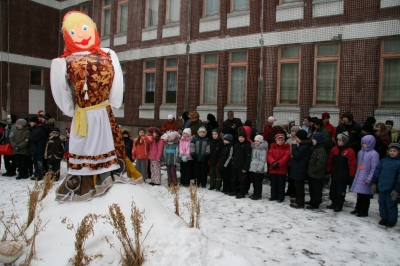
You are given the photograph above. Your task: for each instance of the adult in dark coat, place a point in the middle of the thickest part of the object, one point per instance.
(353, 129)
(210, 125)
(231, 126)
(37, 144)
(301, 154)
(276, 129)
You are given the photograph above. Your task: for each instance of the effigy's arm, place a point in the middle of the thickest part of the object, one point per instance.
(59, 87)
(117, 89)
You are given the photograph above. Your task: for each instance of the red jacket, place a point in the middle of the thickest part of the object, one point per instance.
(351, 160)
(332, 129)
(267, 128)
(280, 154)
(166, 126)
(141, 151)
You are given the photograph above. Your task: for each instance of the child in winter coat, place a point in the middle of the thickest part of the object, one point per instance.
(300, 157)
(128, 142)
(316, 171)
(156, 148)
(216, 145)
(54, 153)
(20, 146)
(66, 145)
(342, 167)
(225, 163)
(278, 159)
(291, 191)
(200, 151)
(170, 155)
(367, 161)
(257, 165)
(140, 151)
(240, 166)
(185, 158)
(387, 180)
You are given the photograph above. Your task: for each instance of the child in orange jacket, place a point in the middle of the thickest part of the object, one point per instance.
(140, 151)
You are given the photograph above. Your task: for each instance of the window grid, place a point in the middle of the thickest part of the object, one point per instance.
(151, 17)
(204, 67)
(149, 72)
(84, 8)
(237, 65)
(170, 81)
(36, 76)
(288, 60)
(394, 96)
(213, 12)
(326, 59)
(234, 8)
(172, 13)
(282, 2)
(122, 18)
(106, 18)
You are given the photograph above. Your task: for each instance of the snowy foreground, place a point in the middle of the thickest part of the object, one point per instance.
(233, 231)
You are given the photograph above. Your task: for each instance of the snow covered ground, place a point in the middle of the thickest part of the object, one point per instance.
(233, 231)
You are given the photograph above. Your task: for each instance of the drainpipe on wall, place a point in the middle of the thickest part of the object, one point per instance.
(260, 79)
(185, 101)
(8, 65)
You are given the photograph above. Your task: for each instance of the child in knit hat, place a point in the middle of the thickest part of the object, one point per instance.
(225, 163)
(342, 167)
(240, 166)
(387, 180)
(171, 155)
(316, 171)
(216, 145)
(257, 165)
(140, 151)
(278, 159)
(200, 152)
(54, 153)
(186, 164)
(300, 158)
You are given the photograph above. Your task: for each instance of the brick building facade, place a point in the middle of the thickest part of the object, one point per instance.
(207, 55)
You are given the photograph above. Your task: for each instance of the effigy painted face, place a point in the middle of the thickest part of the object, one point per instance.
(80, 28)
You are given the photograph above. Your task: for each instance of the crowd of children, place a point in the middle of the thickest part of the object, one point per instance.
(298, 157)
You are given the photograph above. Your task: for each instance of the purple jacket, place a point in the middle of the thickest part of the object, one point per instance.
(367, 160)
(156, 149)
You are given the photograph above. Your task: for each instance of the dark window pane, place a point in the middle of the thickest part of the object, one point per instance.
(36, 76)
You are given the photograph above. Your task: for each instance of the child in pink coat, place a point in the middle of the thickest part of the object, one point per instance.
(186, 159)
(156, 149)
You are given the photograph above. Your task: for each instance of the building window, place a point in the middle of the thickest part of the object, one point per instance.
(237, 77)
(173, 10)
(288, 1)
(389, 76)
(210, 7)
(237, 5)
(84, 8)
(122, 15)
(106, 18)
(36, 76)
(123, 68)
(171, 79)
(326, 73)
(149, 81)
(152, 13)
(209, 78)
(288, 75)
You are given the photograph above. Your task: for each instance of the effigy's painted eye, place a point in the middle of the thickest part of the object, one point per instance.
(71, 32)
(85, 27)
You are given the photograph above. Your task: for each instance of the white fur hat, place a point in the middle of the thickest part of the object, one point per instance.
(259, 138)
(188, 131)
(170, 117)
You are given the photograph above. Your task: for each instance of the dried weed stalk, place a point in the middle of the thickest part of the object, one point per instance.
(31, 242)
(34, 194)
(193, 207)
(48, 183)
(85, 228)
(174, 190)
(132, 254)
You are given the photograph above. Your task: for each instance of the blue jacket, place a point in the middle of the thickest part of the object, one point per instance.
(387, 174)
(299, 164)
(200, 148)
(367, 159)
(171, 152)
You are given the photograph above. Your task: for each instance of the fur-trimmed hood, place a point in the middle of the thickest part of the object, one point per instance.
(127, 131)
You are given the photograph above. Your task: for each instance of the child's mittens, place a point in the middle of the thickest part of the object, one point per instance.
(368, 181)
(275, 165)
(394, 195)
(373, 189)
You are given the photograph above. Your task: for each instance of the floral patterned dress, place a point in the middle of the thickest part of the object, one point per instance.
(96, 153)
